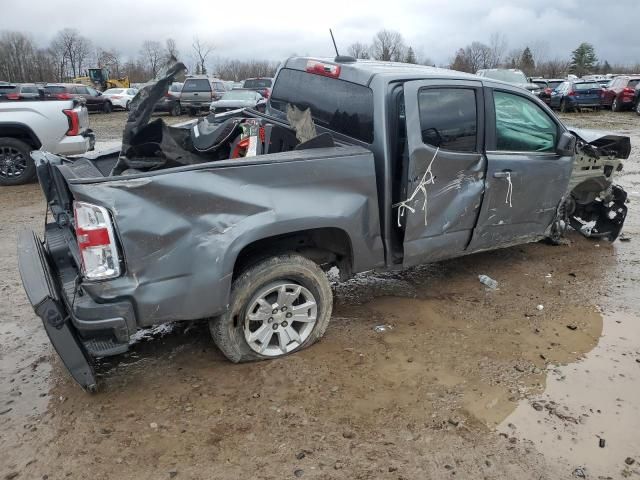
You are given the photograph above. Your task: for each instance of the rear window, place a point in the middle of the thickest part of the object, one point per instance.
(196, 85)
(633, 83)
(27, 89)
(587, 86)
(175, 87)
(257, 83)
(55, 89)
(554, 85)
(341, 106)
(7, 89)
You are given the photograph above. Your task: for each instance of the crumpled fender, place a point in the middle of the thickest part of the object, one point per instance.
(605, 143)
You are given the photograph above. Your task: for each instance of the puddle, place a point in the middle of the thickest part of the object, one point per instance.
(594, 420)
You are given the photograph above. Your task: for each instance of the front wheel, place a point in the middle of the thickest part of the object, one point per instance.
(278, 306)
(175, 110)
(615, 106)
(107, 107)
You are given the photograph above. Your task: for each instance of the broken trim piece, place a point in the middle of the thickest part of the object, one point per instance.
(421, 187)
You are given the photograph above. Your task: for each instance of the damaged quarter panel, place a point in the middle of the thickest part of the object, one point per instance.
(181, 230)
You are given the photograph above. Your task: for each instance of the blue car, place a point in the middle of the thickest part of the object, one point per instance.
(573, 95)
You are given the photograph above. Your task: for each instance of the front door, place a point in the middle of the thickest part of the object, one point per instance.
(526, 178)
(440, 201)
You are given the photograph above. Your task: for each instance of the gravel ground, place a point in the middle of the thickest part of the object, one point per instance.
(467, 382)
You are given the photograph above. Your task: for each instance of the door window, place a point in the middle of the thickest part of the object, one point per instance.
(448, 118)
(522, 126)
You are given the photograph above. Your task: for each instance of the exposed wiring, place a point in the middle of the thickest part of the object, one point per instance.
(421, 187)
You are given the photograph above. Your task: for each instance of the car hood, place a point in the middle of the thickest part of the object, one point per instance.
(529, 86)
(605, 143)
(233, 103)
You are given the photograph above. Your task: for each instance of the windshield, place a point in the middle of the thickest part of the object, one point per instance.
(587, 86)
(175, 87)
(114, 91)
(506, 76)
(239, 95)
(257, 83)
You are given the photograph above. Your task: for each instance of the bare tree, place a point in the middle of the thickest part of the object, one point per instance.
(359, 50)
(498, 48)
(202, 50)
(171, 49)
(237, 70)
(152, 56)
(109, 59)
(388, 45)
(72, 50)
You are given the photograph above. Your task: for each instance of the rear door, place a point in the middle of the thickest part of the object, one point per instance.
(445, 179)
(526, 178)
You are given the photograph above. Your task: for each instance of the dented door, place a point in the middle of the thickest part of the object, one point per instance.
(445, 131)
(526, 179)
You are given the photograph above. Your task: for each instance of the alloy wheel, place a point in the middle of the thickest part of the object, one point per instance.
(13, 163)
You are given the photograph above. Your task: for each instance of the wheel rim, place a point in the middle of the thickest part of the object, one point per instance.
(614, 105)
(280, 317)
(13, 163)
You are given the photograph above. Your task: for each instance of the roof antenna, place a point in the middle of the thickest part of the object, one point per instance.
(339, 58)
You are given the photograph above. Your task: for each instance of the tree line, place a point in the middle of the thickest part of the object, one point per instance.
(69, 54)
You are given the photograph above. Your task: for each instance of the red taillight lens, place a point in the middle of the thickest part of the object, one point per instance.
(13, 96)
(63, 96)
(628, 91)
(324, 69)
(74, 122)
(548, 91)
(96, 241)
(572, 93)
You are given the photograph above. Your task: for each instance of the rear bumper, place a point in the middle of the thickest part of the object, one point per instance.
(79, 328)
(75, 145)
(44, 296)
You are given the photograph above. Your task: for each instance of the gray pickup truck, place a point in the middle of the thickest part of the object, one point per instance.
(404, 165)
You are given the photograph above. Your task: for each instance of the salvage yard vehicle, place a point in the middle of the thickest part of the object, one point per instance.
(574, 95)
(198, 92)
(94, 99)
(170, 102)
(547, 86)
(619, 94)
(260, 85)
(19, 91)
(120, 97)
(238, 99)
(58, 126)
(358, 165)
(512, 76)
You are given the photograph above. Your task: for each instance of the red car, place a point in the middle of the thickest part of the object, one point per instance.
(619, 94)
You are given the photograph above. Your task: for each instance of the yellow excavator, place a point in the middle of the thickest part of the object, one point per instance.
(98, 78)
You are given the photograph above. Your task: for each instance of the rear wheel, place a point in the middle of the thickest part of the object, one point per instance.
(278, 306)
(16, 165)
(106, 108)
(128, 105)
(564, 108)
(175, 110)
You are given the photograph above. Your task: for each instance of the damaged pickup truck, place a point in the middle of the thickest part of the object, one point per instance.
(357, 165)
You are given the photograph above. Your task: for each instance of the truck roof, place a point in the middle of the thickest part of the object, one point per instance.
(363, 71)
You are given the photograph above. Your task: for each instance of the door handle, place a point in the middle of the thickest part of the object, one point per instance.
(503, 174)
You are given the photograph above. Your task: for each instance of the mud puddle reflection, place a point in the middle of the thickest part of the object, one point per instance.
(588, 418)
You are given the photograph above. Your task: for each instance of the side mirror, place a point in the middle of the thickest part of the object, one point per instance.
(566, 145)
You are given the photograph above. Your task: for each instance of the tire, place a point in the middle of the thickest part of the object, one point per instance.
(16, 165)
(107, 107)
(193, 112)
(283, 283)
(638, 107)
(175, 110)
(563, 106)
(127, 107)
(615, 105)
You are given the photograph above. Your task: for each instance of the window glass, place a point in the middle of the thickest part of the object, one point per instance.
(553, 85)
(633, 83)
(522, 126)
(29, 90)
(448, 118)
(196, 85)
(586, 86)
(257, 83)
(81, 90)
(335, 104)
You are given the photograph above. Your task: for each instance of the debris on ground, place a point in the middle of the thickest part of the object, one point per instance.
(382, 328)
(488, 281)
(602, 442)
(540, 308)
(572, 327)
(580, 473)
(624, 238)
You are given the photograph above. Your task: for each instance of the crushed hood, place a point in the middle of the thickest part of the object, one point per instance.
(604, 143)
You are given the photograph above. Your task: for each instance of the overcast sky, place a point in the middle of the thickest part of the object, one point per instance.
(272, 29)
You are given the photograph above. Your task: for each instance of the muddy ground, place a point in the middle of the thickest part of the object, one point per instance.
(464, 382)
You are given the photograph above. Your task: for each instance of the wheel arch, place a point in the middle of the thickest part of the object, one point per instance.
(20, 131)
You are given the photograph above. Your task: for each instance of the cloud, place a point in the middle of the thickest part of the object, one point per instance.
(273, 30)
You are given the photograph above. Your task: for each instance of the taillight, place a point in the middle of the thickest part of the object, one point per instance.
(265, 93)
(63, 96)
(74, 122)
(572, 93)
(13, 96)
(628, 91)
(324, 69)
(96, 242)
(547, 91)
